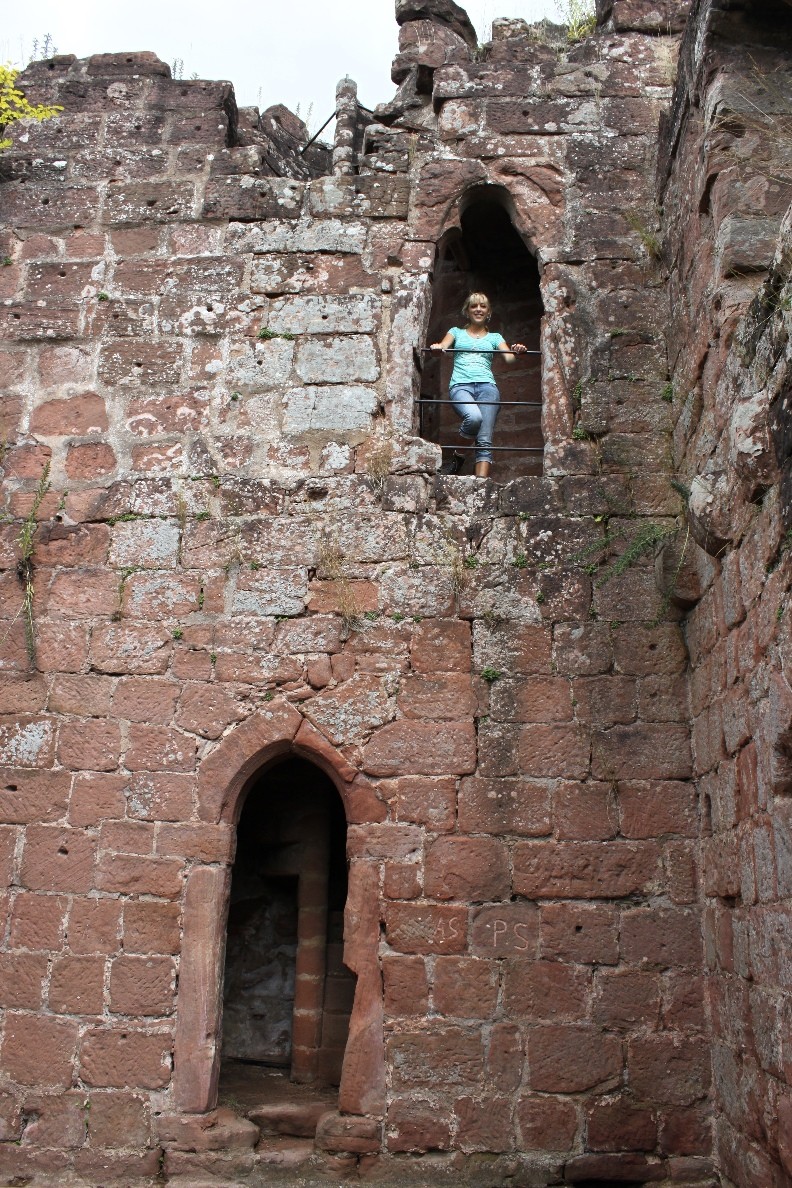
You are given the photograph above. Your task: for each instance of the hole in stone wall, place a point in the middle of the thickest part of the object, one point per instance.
(287, 995)
(487, 253)
(706, 815)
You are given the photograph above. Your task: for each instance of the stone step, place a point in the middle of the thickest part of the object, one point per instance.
(201, 1182)
(218, 1130)
(295, 1118)
(284, 1152)
(182, 1166)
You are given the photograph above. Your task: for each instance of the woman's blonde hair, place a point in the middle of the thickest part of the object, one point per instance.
(473, 297)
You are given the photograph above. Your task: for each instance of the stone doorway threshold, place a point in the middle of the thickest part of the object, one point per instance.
(277, 1105)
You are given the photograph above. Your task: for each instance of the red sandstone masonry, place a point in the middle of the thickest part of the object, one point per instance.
(229, 582)
(737, 632)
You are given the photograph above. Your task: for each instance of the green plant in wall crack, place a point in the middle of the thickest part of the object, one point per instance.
(651, 538)
(490, 675)
(379, 460)
(579, 16)
(646, 539)
(266, 335)
(332, 566)
(649, 238)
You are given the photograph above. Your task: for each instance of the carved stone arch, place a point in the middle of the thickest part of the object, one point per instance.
(536, 192)
(497, 194)
(533, 188)
(224, 779)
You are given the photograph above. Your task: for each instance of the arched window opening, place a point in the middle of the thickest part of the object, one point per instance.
(486, 253)
(287, 995)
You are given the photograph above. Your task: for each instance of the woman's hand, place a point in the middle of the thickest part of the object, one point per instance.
(519, 348)
(437, 346)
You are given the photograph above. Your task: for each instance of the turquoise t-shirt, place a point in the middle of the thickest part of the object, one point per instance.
(474, 366)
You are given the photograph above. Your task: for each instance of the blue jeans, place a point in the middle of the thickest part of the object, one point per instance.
(478, 419)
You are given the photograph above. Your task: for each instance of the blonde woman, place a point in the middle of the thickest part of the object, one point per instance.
(473, 391)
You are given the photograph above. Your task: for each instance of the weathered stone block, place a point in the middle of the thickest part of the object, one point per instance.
(337, 360)
(135, 648)
(52, 209)
(446, 1055)
(39, 1050)
(569, 1058)
(408, 747)
(643, 752)
(355, 313)
(142, 985)
(546, 1123)
(117, 1057)
(58, 859)
(326, 235)
(504, 806)
(77, 986)
(414, 1124)
(31, 322)
(132, 364)
(37, 921)
(571, 870)
(677, 1068)
(28, 795)
(340, 408)
(21, 979)
(427, 929)
(467, 869)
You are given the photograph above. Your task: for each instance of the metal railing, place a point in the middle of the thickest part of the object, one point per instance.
(500, 403)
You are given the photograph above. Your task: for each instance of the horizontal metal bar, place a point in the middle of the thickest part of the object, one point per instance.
(510, 449)
(318, 134)
(500, 403)
(471, 351)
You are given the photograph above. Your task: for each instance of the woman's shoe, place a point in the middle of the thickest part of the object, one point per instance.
(483, 469)
(454, 464)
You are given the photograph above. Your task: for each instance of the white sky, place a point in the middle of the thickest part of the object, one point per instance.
(273, 51)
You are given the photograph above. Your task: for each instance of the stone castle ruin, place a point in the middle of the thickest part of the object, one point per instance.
(363, 822)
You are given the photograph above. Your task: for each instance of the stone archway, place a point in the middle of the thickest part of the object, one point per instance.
(224, 779)
(287, 995)
(483, 250)
(534, 194)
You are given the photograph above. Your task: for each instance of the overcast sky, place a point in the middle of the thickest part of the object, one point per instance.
(289, 51)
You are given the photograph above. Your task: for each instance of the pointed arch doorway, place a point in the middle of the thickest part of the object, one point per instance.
(226, 777)
(287, 995)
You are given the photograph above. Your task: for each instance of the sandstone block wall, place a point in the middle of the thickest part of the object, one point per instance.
(726, 193)
(245, 551)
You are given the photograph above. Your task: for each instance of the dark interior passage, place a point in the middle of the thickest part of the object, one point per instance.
(287, 994)
(487, 254)
(258, 998)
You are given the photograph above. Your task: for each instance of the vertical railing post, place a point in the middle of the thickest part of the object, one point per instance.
(346, 123)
